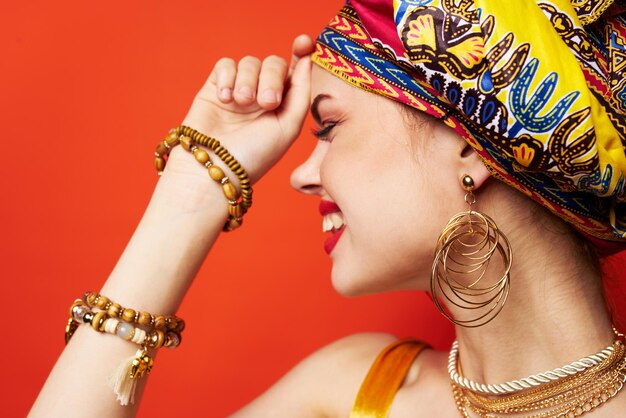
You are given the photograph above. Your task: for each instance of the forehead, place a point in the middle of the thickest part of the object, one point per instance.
(335, 99)
(325, 83)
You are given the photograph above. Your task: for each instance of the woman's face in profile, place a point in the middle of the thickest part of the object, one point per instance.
(381, 185)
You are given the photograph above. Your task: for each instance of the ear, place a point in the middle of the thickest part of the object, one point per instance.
(463, 158)
(471, 164)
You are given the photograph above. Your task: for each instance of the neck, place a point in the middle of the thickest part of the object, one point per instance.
(555, 314)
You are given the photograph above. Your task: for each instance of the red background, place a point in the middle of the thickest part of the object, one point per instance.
(86, 90)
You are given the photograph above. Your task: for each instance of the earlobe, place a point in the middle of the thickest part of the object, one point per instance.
(472, 165)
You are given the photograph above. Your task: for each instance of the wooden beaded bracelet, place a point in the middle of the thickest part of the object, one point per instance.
(102, 322)
(115, 310)
(238, 203)
(165, 332)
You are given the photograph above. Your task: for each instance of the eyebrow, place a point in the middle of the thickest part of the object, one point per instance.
(315, 107)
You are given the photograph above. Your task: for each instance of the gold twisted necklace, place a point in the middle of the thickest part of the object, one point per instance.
(568, 397)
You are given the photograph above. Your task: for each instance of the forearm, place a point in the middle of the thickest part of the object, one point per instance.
(185, 215)
(181, 223)
(174, 236)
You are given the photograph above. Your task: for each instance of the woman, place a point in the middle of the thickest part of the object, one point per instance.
(501, 114)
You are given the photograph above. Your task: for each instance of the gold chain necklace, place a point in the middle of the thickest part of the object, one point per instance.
(573, 396)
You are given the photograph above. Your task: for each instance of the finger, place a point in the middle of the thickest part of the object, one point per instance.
(271, 82)
(302, 46)
(247, 80)
(296, 103)
(223, 76)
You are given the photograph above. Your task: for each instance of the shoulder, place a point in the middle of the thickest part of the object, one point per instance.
(354, 349)
(323, 384)
(355, 355)
(340, 367)
(326, 383)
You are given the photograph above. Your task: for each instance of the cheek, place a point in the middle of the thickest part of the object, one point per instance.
(390, 235)
(364, 179)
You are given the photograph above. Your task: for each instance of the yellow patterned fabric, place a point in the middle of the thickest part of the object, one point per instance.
(538, 88)
(385, 377)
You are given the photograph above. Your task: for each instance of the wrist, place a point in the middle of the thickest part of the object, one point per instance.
(186, 186)
(184, 162)
(201, 146)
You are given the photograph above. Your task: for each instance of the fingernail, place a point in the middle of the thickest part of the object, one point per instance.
(269, 96)
(226, 93)
(246, 92)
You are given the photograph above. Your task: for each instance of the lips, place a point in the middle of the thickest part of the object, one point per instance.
(333, 222)
(327, 207)
(330, 243)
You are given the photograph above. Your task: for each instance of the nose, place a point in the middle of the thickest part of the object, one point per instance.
(306, 177)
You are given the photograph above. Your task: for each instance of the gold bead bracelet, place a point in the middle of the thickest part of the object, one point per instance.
(115, 310)
(190, 140)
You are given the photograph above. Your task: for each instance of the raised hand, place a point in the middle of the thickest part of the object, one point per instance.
(254, 108)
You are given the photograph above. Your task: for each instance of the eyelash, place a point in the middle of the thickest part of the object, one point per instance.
(323, 133)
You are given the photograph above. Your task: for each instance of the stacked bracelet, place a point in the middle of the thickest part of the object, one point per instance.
(112, 318)
(101, 321)
(191, 140)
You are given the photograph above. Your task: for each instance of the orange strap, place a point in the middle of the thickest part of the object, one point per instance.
(384, 379)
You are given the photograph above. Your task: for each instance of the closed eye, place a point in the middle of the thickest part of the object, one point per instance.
(323, 133)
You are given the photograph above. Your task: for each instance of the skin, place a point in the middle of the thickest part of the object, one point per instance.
(555, 313)
(371, 152)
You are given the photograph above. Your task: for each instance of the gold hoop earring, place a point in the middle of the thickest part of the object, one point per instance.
(464, 251)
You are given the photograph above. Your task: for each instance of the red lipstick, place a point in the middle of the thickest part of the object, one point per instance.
(330, 243)
(327, 207)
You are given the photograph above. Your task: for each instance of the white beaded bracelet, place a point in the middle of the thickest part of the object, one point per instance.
(527, 382)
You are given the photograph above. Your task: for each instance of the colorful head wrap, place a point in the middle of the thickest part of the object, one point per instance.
(537, 88)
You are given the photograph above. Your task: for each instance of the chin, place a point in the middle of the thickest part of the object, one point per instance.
(349, 289)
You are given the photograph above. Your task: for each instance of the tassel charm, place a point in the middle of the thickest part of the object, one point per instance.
(146, 330)
(124, 380)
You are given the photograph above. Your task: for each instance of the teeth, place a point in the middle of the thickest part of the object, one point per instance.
(337, 220)
(327, 225)
(332, 222)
